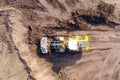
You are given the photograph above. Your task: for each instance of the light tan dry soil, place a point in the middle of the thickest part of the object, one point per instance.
(24, 22)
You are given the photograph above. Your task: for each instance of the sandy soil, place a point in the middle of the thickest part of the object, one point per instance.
(101, 62)
(19, 36)
(23, 23)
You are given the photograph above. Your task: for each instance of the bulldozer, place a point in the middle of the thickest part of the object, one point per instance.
(71, 44)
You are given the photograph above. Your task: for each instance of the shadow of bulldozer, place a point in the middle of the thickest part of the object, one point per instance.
(59, 60)
(64, 59)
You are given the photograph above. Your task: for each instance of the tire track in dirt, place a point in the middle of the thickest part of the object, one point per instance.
(110, 65)
(35, 66)
(70, 67)
(10, 63)
(101, 62)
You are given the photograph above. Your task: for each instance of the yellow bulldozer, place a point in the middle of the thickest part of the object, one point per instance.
(62, 44)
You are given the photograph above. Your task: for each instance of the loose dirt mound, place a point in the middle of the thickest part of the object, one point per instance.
(24, 22)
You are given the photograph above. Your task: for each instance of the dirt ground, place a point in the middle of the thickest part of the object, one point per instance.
(24, 22)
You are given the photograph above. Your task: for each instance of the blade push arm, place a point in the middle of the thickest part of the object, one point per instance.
(84, 43)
